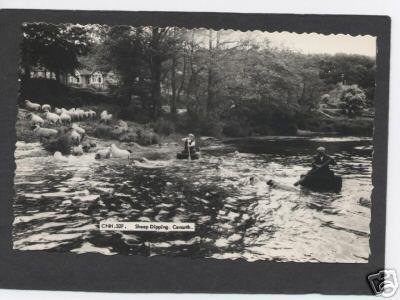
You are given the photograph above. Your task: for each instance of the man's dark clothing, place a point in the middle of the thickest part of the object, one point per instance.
(323, 159)
(190, 146)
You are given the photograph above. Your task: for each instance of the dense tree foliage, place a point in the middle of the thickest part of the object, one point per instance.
(353, 101)
(236, 87)
(53, 47)
(349, 69)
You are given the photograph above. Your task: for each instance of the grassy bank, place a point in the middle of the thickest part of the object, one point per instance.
(142, 139)
(339, 125)
(261, 120)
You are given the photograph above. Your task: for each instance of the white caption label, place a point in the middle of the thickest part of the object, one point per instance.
(146, 226)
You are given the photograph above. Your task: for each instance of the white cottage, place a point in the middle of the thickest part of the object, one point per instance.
(97, 79)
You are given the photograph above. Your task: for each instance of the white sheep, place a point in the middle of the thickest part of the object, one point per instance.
(103, 113)
(105, 117)
(32, 106)
(65, 118)
(74, 136)
(72, 114)
(77, 150)
(92, 114)
(119, 153)
(80, 130)
(35, 119)
(103, 153)
(44, 132)
(59, 111)
(79, 113)
(46, 107)
(58, 156)
(53, 118)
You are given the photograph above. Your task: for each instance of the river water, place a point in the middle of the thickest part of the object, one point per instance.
(59, 204)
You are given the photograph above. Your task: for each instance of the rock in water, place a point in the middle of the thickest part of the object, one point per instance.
(364, 202)
(245, 217)
(235, 238)
(221, 243)
(232, 215)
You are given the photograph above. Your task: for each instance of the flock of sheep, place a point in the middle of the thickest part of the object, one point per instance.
(75, 133)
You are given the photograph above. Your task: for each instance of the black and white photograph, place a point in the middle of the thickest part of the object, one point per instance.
(197, 143)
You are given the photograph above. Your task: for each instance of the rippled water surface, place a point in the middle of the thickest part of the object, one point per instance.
(59, 204)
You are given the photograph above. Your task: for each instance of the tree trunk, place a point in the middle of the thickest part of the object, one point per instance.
(210, 75)
(303, 93)
(156, 90)
(27, 71)
(27, 63)
(57, 72)
(173, 85)
(179, 91)
(155, 68)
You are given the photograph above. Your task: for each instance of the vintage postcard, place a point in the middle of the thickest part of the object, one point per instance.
(262, 141)
(196, 142)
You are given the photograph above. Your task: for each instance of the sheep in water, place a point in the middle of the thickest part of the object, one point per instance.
(87, 145)
(74, 136)
(65, 118)
(103, 153)
(46, 107)
(44, 132)
(58, 156)
(53, 118)
(77, 150)
(119, 153)
(32, 106)
(35, 119)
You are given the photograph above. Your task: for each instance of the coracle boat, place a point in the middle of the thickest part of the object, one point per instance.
(318, 182)
(185, 155)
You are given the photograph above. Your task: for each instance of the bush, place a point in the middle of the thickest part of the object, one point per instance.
(127, 137)
(103, 131)
(132, 112)
(235, 129)
(163, 127)
(140, 135)
(146, 138)
(211, 128)
(23, 129)
(353, 101)
(325, 98)
(60, 143)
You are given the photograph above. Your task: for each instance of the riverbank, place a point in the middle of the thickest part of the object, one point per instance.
(140, 139)
(339, 125)
(143, 141)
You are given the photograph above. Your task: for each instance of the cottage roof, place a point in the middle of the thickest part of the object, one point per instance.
(85, 72)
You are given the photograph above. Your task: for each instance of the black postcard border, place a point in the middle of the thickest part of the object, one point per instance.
(40, 270)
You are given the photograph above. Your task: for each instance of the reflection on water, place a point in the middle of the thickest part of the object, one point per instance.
(59, 204)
